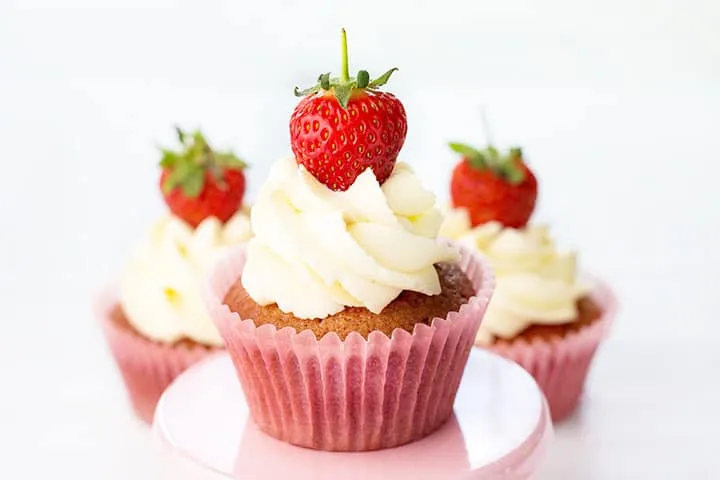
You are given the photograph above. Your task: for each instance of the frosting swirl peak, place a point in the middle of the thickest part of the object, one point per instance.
(536, 283)
(316, 251)
(161, 286)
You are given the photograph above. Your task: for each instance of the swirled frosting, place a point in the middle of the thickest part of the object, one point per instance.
(456, 223)
(317, 251)
(535, 283)
(160, 290)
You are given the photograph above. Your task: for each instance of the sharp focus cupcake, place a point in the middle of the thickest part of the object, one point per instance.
(349, 323)
(155, 321)
(543, 315)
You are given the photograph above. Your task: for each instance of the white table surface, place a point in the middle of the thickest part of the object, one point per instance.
(618, 108)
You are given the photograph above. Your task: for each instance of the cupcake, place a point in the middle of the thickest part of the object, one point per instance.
(155, 321)
(543, 315)
(349, 323)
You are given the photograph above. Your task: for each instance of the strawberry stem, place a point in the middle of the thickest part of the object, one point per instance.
(344, 86)
(345, 65)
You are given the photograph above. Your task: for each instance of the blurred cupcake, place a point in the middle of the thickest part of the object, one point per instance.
(155, 321)
(349, 323)
(543, 314)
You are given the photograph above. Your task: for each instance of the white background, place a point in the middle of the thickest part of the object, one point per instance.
(616, 103)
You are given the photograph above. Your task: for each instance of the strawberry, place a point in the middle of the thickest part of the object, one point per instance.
(345, 125)
(198, 182)
(493, 186)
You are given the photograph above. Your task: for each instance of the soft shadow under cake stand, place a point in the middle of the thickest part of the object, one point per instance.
(500, 430)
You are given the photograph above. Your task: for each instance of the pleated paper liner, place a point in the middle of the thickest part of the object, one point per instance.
(147, 367)
(560, 365)
(356, 394)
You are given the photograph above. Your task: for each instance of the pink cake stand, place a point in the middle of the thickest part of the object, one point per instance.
(500, 429)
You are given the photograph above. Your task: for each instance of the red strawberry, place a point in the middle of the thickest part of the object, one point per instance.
(344, 126)
(198, 182)
(492, 186)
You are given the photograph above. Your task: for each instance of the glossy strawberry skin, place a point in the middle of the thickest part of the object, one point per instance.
(489, 197)
(220, 200)
(336, 145)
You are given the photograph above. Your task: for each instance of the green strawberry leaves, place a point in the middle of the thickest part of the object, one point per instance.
(188, 166)
(473, 155)
(307, 91)
(343, 90)
(169, 158)
(190, 178)
(382, 79)
(343, 87)
(229, 160)
(507, 166)
(362, 79)
(512, 173)
(182, 174)
(324, 80)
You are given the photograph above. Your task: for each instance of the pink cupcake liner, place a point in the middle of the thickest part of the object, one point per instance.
(356, 394)
(560, 365)
(147, 367)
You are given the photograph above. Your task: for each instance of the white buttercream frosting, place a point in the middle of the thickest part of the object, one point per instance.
(456, 223)
(161, 288)
(535, 282)
(317, 251)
